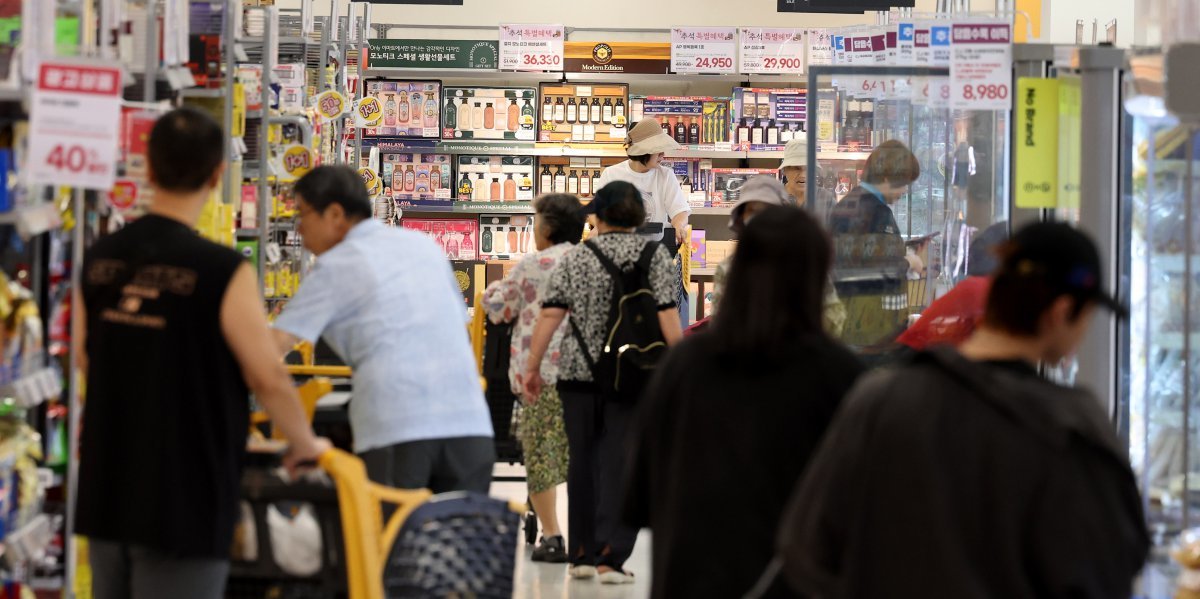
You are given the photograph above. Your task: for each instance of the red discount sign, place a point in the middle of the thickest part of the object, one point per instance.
(74, 125)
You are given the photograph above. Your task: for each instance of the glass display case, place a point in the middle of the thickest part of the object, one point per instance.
(905, 185)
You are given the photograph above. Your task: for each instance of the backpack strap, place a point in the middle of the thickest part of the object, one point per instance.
(647, 257)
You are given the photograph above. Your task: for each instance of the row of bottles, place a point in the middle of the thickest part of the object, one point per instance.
(495, 240)
(683, 132)
(858, 132)
(573, 183)
(483, 116)
(767, 132)
(574, 111)
(477, 189)
(414, 110)
(457, 245)
(411, 180)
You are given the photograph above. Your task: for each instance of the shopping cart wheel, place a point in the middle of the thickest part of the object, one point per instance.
(531, 528)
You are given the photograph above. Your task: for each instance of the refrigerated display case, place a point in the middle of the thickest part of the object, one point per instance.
(885, 277)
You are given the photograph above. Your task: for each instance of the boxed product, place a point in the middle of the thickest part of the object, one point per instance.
(506, 237)
(416, 178)
(583, 113)
(490, 113)
(725, 184)
(693, 177)
(495, 178)
(456, 236)
(767, 119)
(410, 108)
(576, 176)
(699, 247)
(689, 120)
(470, 276)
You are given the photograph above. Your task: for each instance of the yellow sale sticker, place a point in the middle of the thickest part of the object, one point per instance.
(368, 112)
(330, 104)
(371, 180)
(296, 161)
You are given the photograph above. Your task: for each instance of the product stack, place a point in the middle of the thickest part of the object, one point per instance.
(412, 179)
(693, 177)
(472, 113)
(576, 176)
(767, 119)
(505, 237)
(579, 113)
(457, 237)
(495, 178)
(410, 108)
(726, 184)
(699, 122)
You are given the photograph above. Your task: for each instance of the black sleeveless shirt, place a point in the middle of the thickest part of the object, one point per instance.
(167, 408)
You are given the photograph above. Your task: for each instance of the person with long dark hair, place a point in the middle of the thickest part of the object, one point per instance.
(725, 429)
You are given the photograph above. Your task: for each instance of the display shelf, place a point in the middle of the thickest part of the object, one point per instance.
(854, 156)
(202, 92)
(702, 153)
(471, 208)
(554, 151)
(765, 155)
(652, 77)
(713, 211)
(476, 74)
(244, 233)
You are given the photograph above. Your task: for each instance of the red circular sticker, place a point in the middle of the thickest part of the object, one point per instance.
(123, 195)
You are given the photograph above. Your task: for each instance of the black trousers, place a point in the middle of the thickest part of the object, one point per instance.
(596, 433)
(440, 465)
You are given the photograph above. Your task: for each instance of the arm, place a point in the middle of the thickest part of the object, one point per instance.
(245, 329)
(672, 329)
(680, 222)
(285, 341)
(543, 330)
(678, 208)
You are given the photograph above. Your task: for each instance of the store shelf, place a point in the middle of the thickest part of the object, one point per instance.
(202, 92)
(652, 77)
(529, 149)
(713, 154)
(853, 156)
(718, 211)
(471, 208)
(765, 155)
(476, 74)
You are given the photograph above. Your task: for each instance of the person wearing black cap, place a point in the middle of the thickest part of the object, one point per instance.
(965, 473)
(596, 422)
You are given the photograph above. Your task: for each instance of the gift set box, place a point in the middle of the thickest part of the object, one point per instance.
(495, 178)
(584, 113)
(701, 121)
(416, 179)
(480, 113)
(410, 108)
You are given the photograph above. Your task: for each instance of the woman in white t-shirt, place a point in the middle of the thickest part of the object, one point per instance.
(666, 205)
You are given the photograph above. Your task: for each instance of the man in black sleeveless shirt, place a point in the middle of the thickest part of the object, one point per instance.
(173, 338)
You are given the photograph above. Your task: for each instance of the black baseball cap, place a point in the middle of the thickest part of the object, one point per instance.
(617, 193)
(1065, 258)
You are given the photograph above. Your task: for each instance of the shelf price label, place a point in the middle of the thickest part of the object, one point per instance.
(772, 51)
(704, 50)
(74, 125)
(981, 66)
(532, 47)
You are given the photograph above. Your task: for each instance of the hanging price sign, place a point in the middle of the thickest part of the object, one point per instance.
(773, 51)
(74, 125)
(330, 104)
(368, 112)
(294, 162)
(372, 181)
(704, 50)
(532, 47)
(906, 50)
(981, 66)
(820, 47)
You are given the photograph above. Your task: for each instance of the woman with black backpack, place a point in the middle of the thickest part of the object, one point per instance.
(619, 292)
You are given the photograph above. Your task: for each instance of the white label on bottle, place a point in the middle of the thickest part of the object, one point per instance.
(608, 113)
(757, 136)
(772, 137)
(596, 113)
(560, 183)
(547, 112)
(560, 112)
(573, 186)
(585, 186)
(572, 113)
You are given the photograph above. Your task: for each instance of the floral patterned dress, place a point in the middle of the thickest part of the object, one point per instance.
(518, 299)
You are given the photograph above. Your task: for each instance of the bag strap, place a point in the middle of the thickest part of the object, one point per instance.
(607, 263)
(647, 257)
(587, 355)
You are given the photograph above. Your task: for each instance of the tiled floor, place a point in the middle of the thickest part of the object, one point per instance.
(550, 581)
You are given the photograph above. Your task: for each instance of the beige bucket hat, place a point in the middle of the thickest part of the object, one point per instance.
(647, 137)
(796, 152)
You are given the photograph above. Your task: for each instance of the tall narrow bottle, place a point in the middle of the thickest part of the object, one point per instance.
(773, 134)
(481, 189)
(510, 189)
(410, 179)
(560, 111)
(619, 109)
(514, 116)
(607, 110)
(547, 180)
(573, 183)
(597, 111)
(572, 111)
(527, 120)
(743, 134)
(513, 247)
(694, 132)
(414, 109)
(464, 116)
(547, 111)
(485, 243)
(389, 111)
(450, 119)
(489, 117)
(668, 130)
(680, 131)
(595, 182)
(431, 111)
(496, 192)
(756, 133)
(585, 185)
(435, 178)
(560, 180)
(465, 188)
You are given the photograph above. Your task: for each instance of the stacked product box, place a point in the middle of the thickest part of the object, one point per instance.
(698, 121)
(767, 119)
(693, 175)
(458, 238)
(480, 113)
(410, 108)
(506, 236)
(583, 113)
(495, 178)
(725, 185)
(416, 179)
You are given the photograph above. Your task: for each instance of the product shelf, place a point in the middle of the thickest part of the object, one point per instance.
(202, 92)
(712, 211)
(555, 151)
(471, 208)
(653, 77)
(476, 74)
(856, 156)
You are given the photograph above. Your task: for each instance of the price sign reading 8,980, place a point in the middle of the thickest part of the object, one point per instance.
(981, 66)
(531, 47)
(74, 125)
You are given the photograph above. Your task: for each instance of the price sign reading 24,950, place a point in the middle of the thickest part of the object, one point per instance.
(531, 47)
(704, 50)
(74, 123)
(981, 66)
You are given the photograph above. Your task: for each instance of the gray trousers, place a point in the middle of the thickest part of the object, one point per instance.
(131, 572)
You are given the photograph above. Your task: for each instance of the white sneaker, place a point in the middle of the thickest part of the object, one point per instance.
(616, 577)
(582, 572)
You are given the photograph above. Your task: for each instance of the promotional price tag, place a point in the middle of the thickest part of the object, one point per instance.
(704, 50)
(939, 45)
(294, 162)
(820, 47)
(371, 180)
(330, 104)
(839, 49)
(906, 51)
(981, 66)
(779, 51)
(74, 125)
(123, 195)
(531, 47)
(368, 112)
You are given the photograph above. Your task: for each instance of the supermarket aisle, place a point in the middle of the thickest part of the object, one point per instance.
(549, 581)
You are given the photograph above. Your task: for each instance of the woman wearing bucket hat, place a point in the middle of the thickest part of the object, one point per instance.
(666, 205)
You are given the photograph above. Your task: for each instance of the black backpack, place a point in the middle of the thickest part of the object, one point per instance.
(634, 343)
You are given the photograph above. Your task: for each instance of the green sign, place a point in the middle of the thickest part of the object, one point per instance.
(433, 54)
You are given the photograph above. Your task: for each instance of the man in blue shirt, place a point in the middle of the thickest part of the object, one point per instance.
(387, 302)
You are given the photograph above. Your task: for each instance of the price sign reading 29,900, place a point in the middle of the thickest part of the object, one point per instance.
(714, 63)
(783, 64)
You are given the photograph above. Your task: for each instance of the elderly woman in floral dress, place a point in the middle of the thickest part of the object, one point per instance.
(518, 297)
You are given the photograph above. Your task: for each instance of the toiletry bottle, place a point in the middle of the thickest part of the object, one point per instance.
(619, 110)
(527, 120)
(431, 112)
(668, 130)
(478, 117)
(510, 189)
(464, 116)
(489, 117)
(595, 182)
(435, 178)
(389, 111)
(560, 180)
(743, 135)
(451, 118)
(585, 185)
(410, 179)
(680, 131)
(573, 183)
(495, 192)
(773, 134)
(547, 111)
(572, 111)
(597, 111)
(514, 116)
(547, 180)
(486, 241)
(694, 132)
(465, 188)
(414, 109)
(560, 111)
(607, 110)
(512, 241)
(757, 132)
